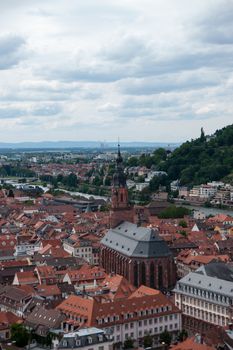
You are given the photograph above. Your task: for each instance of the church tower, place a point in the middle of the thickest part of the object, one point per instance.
(120, 208)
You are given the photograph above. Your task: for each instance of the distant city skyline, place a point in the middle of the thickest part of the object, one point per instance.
(150, 71)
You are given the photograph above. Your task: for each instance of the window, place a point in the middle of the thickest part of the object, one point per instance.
(90, 340)
(100, 337)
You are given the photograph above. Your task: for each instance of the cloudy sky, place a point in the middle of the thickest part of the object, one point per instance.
(148, 70)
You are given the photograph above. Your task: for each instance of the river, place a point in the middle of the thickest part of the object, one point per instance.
(209, 211)
(85, 195)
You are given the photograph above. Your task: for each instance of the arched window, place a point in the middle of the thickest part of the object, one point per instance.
(160, 276)
(152, 275)
(135, 274)
(143, 273)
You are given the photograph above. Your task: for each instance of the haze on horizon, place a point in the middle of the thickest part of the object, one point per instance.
(151, 70)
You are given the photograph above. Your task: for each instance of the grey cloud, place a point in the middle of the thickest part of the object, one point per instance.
(11, 112)
(120, 66)
(98, 74)
(12, 51)
(216, 27)
(178, 111)
(41, 110)
(166, 83)
(125, 49)
(46, 110)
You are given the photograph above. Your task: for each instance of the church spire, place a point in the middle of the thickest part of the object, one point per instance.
(120, 208)
(119, 178)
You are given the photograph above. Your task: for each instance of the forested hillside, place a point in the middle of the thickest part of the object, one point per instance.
(197, 161)
(204, 159)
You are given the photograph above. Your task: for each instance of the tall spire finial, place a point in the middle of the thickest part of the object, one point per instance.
(119, 158)
(118, 145)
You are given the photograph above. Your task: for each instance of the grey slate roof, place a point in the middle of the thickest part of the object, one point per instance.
(131, 240)
(69, 340)
(217, 269)
(204, 279)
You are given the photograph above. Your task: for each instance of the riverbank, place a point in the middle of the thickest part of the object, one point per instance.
(207, 211)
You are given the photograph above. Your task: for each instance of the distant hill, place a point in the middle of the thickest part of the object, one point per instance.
(204, 159)
(81, 144)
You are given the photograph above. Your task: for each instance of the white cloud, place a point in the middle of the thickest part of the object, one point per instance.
(80, 69)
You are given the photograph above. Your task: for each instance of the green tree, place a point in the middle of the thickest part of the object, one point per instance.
(174, 212)
(147, 341)
(183, 233)
(132, 161)
(182, 335)
(10, 193)
(97, 181)
(165, 337)
(128, 343)
(60, 178)
(71, 180)
(183, 223)
(19, 334)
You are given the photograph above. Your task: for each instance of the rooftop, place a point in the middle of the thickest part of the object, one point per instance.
(84, 332)
(132, 240)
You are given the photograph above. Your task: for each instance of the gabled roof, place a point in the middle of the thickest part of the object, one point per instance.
(51, 318)
(191, 344)
(132, 240)
(26, 277)
(118, 285)
(214, 277)
(90, 309)
(7, 318)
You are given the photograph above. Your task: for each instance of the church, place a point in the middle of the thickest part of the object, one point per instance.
(129, 249)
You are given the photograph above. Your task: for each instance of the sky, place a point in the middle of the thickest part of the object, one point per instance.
(141, 70)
